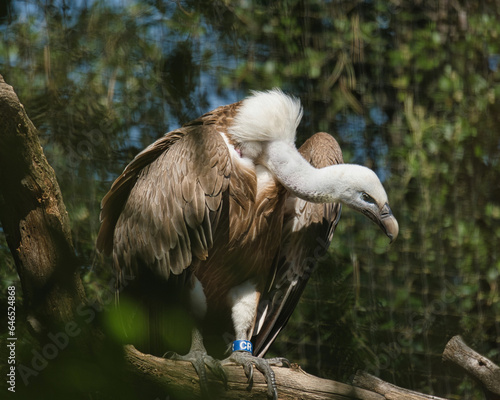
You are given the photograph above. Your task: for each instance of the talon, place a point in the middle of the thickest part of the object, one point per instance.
(215, 366)
(248, 361)
(170, 355)
(248, 368)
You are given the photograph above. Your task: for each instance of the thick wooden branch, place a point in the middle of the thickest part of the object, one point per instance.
(35, 221)
(479, 367)
(388, 390)
(178, 378)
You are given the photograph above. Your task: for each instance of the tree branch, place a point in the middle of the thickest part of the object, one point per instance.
(180, 379)
(479, 367)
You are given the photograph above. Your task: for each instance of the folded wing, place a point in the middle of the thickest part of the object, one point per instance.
(162, 211)
(307, 232)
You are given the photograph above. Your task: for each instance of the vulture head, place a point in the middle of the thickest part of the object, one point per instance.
(366, 194)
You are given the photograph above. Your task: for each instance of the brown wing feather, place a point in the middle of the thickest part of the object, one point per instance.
(162, 211)
(307, 232)
(113, 202)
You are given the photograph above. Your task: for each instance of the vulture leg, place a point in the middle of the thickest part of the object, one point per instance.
(245, 299)
(199, 358)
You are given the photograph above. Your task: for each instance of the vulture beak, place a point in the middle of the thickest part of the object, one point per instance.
(385, 220)
(388, 222)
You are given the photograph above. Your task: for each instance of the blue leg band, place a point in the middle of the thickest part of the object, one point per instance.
(242, 345)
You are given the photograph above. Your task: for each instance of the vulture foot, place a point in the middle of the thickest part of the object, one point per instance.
(248, 361)
(200, 360)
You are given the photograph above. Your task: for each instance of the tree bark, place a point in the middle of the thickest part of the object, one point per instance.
(388, 390)
(35, 221)
(479, 367)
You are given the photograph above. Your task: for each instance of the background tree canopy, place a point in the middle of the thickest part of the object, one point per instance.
(410, 89)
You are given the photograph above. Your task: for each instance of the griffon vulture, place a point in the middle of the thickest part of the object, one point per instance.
(218, 224)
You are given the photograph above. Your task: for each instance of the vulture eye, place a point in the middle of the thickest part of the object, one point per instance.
(369, 199)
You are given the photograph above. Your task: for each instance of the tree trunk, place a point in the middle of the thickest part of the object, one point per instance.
(35, 222)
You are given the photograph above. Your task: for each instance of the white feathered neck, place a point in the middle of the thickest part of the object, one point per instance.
(267, 116)
(265, 127)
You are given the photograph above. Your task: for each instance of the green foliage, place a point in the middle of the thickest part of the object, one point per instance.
(410, 90)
